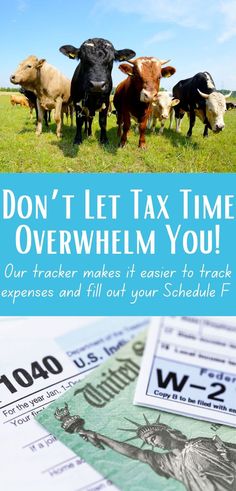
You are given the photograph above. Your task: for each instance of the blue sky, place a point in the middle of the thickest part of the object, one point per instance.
(196, 35)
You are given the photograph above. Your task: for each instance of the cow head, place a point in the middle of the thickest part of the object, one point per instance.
(147, 72)
(215, 109)
(26, 73)
(96, 61)
(164, 104)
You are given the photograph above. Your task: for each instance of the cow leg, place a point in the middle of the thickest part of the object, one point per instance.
(86, 126)
(67, 115)
(192, 119)
(119, 123)
(178, 118)
(103, 125)
(178, 125)
(162, 127)
(172, 115)
(71, 114)
(90, 122)
(205, 133)
(36, 112)
(126, 127)
(39, 126)
(150, 122)
(46, 118)
(58, 116)
(142, 128)
(154, 122)
(80, 119)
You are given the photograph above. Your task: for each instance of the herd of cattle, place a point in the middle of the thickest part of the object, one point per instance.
(44, 88)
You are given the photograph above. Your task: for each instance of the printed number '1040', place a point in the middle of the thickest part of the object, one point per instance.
(49, 364)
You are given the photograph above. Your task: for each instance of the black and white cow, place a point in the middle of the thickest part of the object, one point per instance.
(32, 98)
(198, 97)
(92, 83)
(230, 105)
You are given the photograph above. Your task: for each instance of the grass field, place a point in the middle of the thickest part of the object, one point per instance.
(22, 151)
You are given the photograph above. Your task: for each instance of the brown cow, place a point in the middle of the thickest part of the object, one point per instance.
(134, 96)
(51, 87)
(19, 99)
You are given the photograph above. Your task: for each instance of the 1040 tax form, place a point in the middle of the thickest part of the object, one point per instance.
(34, 372)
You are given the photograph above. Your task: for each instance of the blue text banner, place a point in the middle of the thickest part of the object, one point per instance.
(133, 244)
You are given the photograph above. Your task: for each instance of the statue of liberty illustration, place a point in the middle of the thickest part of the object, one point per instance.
(201, 464)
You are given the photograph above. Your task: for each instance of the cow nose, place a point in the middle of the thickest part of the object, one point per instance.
(97, 86)
(148, 96)
(12, 78)
(219, 127)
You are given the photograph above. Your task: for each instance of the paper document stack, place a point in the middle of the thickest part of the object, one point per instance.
(137, 448)
(74, 410)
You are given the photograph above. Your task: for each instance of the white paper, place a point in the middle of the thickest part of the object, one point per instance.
(32, 459)
(189, 367)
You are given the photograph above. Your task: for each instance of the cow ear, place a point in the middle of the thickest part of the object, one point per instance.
(70, 51)
(168, 71)
(40, 63)
(127, 69)
(124, 54)
(174, 102)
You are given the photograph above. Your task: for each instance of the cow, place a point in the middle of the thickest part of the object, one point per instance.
(230, 105)
(19, 100)
(91, 84)
(50, 86)
(67, 109)
(135, 95)
(32, 99)
(198, 97)
(161, 110)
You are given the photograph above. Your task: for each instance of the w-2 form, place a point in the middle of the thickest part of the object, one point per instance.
(189, 367)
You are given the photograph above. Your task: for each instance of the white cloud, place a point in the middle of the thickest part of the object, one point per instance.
(160, 37)
(216, 15)
(194, 13)
(228, 9)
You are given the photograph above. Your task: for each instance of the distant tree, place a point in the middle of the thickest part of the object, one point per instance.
(9, 89)
(223, 91)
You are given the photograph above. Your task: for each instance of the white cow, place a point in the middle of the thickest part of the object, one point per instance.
(161, 110)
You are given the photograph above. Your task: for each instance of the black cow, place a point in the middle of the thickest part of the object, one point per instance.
(33, 104)
(92, 83)
(199, 97)
(230, 105)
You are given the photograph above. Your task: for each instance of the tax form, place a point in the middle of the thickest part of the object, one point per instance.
(32, 376)
(140, 449)
(34, 373)
(189, 368)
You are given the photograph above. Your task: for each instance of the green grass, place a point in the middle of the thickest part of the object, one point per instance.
(22, 151)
